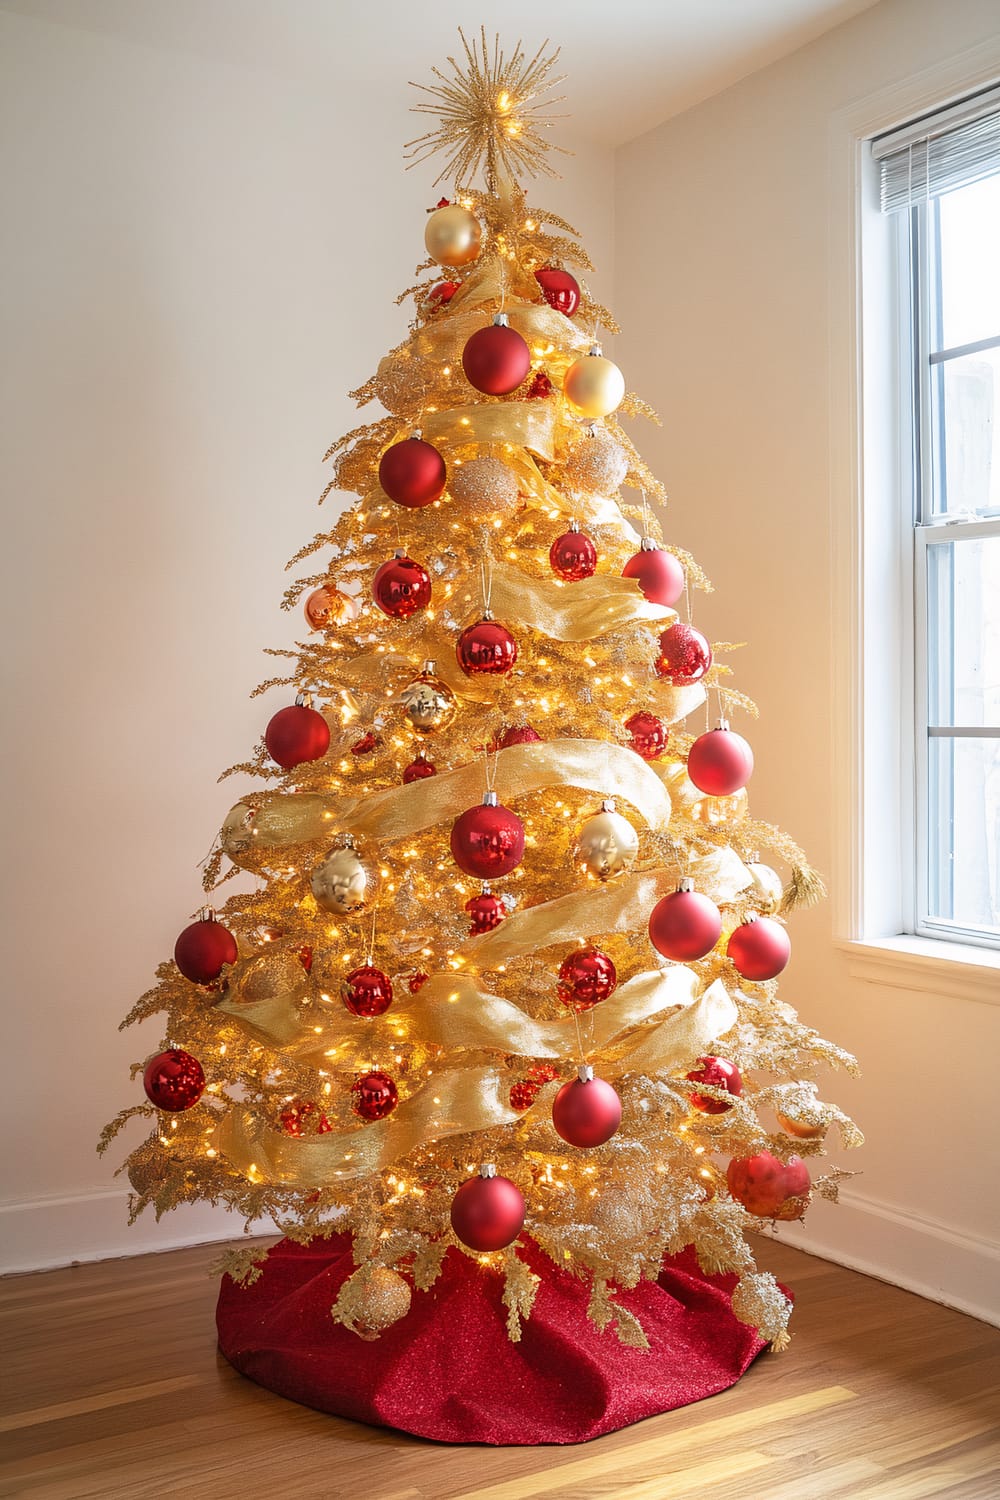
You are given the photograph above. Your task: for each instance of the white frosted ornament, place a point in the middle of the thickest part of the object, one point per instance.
(483, 485)
(598, 464)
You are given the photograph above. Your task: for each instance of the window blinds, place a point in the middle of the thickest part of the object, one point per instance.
(948, 149)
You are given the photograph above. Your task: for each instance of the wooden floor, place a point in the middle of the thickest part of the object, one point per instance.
(113, 1388)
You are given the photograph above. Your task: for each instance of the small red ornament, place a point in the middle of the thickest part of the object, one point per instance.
(720, 1074)
(173, 1080)
(521, 734)
(487, 1212)
(657, 572)
(412, 473)
(375, 1096)
(401, 587)
(443, 203)
(302, 1117)
(685, 925)
(560, 290)
(770, 1188)
(526, 1090)
(441, 295)
(305, 957)
(573, 555)
(202, 949)
(760, 949)
(685, 655)
(587, 1111)
(366, 991)
(488, 841)
(418, 770)
(297, 734)
(540, 387)
(486, 647)
(417, 981)
(367, 744)
(720, 762)
(586, 977)
(486, 912)
(649, 735)
(496, 359)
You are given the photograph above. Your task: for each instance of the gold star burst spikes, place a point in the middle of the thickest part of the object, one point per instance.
(492, 113)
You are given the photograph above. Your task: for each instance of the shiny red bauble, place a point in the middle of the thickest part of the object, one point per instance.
(295, 735)
(525, 1091)
(685, 655)
(486, 648)
(520, 734)
(412, 473)
(586, 977)
(587, 1111)
(496, 360)
(685, 926)
(760, 949)
(540, 388)
(367, 744)
(302, 1117)
(719, 1074)
(648, 734)
(488, 841)
(487, 1213)
(768, 1187)
(374, 1096)
(486, 912)
(173, 1080)
(441, 294)
(560, 290)
(418, 770)
(658, 574)
(401, 587)
(573, 556)
(720, 762)
(366, 991)
(202, 949)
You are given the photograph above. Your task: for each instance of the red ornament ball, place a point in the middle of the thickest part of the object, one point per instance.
(720, 1074)
(649, 735)
(374, 1096)
(586, 977)
(417, 981)
(720, 762)
(560, 290)
(496, 360)
(441, 294)
(302, 1117)
(770, 1188)
(401, 587)
(202, 949)
(418, 770)
(486, 648)
(305, 957)
(487, 841)
(173, 1080)
(760, 949)
(413, 473)
(587, 1111)
(685, 655)
(526, 1090)
(367, 744)
(486, 912)
(540, 387)
(521, 734)
(487, 1213)
(684, 926)
(573, 556)
(295, 735)
(658, 574)
(366, 991)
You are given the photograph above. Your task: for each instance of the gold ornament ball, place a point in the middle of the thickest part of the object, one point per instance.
(146, 1175)
(238, 832)
(428, 703)
(272, 976)
(483, 485)
(327, 607)
(594, 385)
(802, 1130)
(621, 1213)
(339, 883)
(403, 382)
(384, 1299)
(767, 889)
(453, 236)
(597, 464)
(607, 844)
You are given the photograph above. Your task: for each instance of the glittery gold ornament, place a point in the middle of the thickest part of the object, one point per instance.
(339, 883)
(607, 844)
(767, 889)
(237, 834)
(483, 485)
(404, 381)
(145, 1174)
(372, 1300)
(598, 464)
(453, 236)
(594, 385)
(428, 703)
(270, 976)
(622, 1212)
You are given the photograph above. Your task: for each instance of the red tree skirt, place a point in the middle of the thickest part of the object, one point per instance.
(448, 1370)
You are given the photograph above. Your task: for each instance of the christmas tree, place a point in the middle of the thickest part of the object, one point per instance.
(506, 978)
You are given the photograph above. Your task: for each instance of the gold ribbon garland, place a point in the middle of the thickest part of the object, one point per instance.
(581, 611)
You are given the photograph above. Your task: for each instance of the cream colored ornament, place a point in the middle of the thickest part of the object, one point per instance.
(453, 236)
(767, 889)
(598, 464)
(340, 882)
(594, 385)
(483, 485)
(428, 703)
(607, 844)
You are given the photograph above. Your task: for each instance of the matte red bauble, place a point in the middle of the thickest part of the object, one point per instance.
(297, 734)
(487, 1212)
(173, 1080)
(412, 473)
(401, 587)
(587, 1111)
(658, 574)
(560, 290)
(374, 1096)
(486, 647)
(720, 1074)
(720, 762)
(441, 294)
(649, 735)
(202, 949)
(366, 991)
(685, 925)
(573, 556)
(496, 359)
(488, 841)
(586, 977)
(486, 912)
(760, 949)
(521, 734)
(685, 655)
(418, 770)
(770, 1188)
(302, 1117)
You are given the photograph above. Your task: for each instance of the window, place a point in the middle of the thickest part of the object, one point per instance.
(940, 178)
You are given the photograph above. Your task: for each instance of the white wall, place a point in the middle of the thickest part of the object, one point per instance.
(198, 262)
(728, 233)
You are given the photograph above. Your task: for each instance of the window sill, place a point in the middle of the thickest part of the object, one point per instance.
(952, 970)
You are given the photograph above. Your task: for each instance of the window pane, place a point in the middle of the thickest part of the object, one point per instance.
(963, 631)
(963, 846)
(970, 255)
(965, 434)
